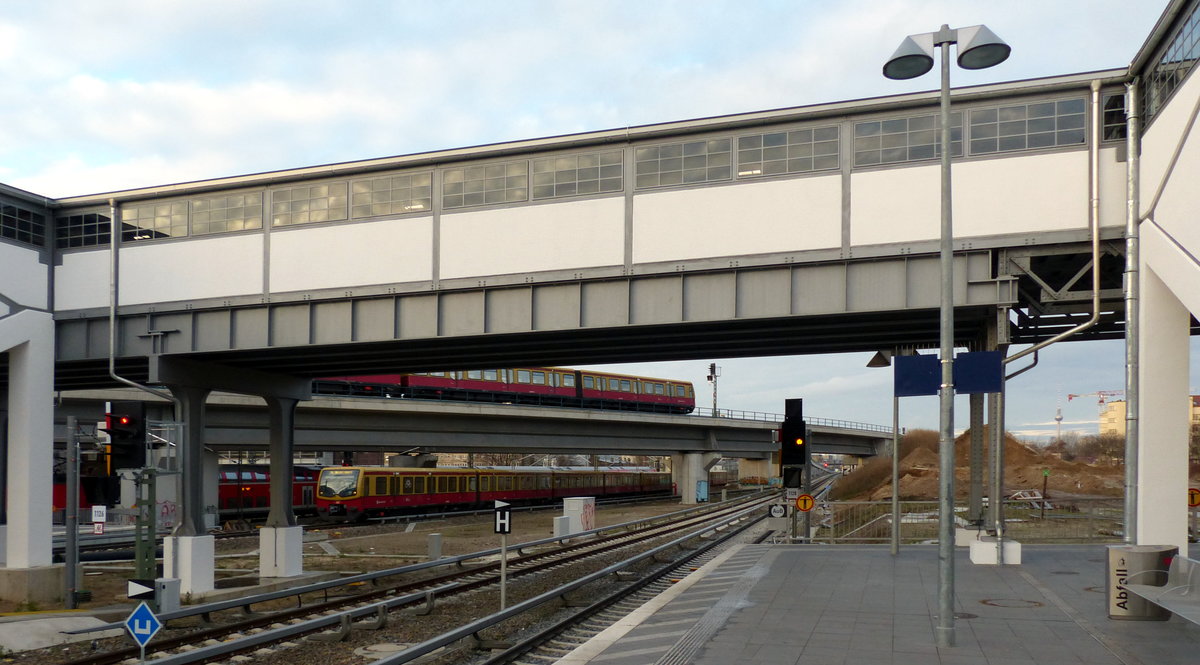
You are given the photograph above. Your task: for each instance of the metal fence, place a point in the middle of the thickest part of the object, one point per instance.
(1053, 521)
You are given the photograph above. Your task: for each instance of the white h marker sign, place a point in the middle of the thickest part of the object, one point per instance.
(503, 518)
(503, 527)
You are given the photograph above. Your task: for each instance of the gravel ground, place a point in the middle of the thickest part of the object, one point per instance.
(369, 548)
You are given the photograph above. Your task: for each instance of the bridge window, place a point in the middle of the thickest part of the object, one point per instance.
(683, 163)
(22, 225)
(797, 151)
(1114, 117)
(904, 139)
(394, 195)
(219, 214)
(1027, 126)
(157, 220)
(310, 203)
(481, 185)
(1177, 59)
(590, 173)
(82, 230)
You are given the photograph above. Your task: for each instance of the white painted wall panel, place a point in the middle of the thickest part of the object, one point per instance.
(555, 236)
(22, 278)
(1163, 134)
(1040, 192)
(350, 255)
(200, 268)
(1178, 212)
(895, 205)
(81, 282)
(1114, 178)
(747, 218)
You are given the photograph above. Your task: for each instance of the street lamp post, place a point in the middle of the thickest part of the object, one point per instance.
(978, 48)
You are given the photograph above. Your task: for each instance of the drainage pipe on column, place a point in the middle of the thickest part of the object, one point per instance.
(1132, 318)
(1094, 226)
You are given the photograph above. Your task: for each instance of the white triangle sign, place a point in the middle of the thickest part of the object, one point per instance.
(137, 589)
(501, 504)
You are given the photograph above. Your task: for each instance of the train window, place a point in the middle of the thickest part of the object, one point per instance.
(437, 374)
(395, 486)
(637, 386)
(504, 483)
(381, 485)
(554, 379)
(442, 483)
(680, 391)
(485, 484)
(471, 483)
(474, 374)
(658, 390)
(568, 380)
(408, 484)
(522, 376)
(543, 482)
(419, 485)
(526, 482)
(491, 375)
(626, 386)
(539, 378)
(589, 382)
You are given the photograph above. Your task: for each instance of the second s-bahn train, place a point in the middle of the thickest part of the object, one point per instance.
(358, 492)
(550, 386)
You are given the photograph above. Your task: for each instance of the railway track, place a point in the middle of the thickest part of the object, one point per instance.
(314, 609)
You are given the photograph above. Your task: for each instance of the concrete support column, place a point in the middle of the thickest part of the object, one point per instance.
(191, 460)
(28, 337)
(191, 560)
(975, 487)
(188, 554)
(281, 447)
(281, 542)
(1162, 476)
(689, 468)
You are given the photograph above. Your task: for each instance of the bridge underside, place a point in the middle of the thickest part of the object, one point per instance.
(854, 305)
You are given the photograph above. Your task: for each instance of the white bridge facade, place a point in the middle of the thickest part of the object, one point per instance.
(801, 230)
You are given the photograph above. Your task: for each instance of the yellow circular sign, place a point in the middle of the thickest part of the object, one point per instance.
(1193, 497)
(805, 503)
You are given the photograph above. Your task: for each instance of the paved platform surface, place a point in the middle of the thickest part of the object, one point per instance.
(859, 605)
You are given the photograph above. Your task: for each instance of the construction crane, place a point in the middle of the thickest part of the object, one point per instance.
(1102, 396)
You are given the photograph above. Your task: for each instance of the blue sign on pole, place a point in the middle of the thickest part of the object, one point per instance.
(142, 624)
(916, 375)
(978, 372)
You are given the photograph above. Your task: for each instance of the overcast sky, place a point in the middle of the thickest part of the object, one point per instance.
(102, 96)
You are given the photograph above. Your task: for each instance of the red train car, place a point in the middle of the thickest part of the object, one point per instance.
(552, 386)
(244, 490)
(353, 493)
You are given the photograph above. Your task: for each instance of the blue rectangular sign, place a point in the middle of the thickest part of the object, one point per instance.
(978, 372)
(916, 375)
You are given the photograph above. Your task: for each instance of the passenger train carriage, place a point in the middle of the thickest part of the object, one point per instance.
(551, 386)
(353, 493)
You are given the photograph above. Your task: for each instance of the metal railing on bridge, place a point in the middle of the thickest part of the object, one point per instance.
(737, 414)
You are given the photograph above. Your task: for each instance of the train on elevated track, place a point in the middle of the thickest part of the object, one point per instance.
(545, 386)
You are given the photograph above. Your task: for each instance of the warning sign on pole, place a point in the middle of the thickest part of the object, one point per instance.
(1193, 497)
(805, 502)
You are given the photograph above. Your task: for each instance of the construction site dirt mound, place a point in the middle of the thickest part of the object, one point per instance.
(1025, 467)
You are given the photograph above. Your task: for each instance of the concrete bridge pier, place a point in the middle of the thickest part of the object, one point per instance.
(689, 468)
(27, 574)
(189, 552)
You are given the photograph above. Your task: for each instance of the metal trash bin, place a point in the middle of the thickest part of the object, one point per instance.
(1137, 564)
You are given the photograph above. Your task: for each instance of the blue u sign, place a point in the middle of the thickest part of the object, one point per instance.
(142, 624)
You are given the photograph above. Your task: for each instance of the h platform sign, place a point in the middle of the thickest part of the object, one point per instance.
(503, 518)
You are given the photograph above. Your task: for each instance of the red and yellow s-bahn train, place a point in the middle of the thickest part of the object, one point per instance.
(357, 492)
(550, 386)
